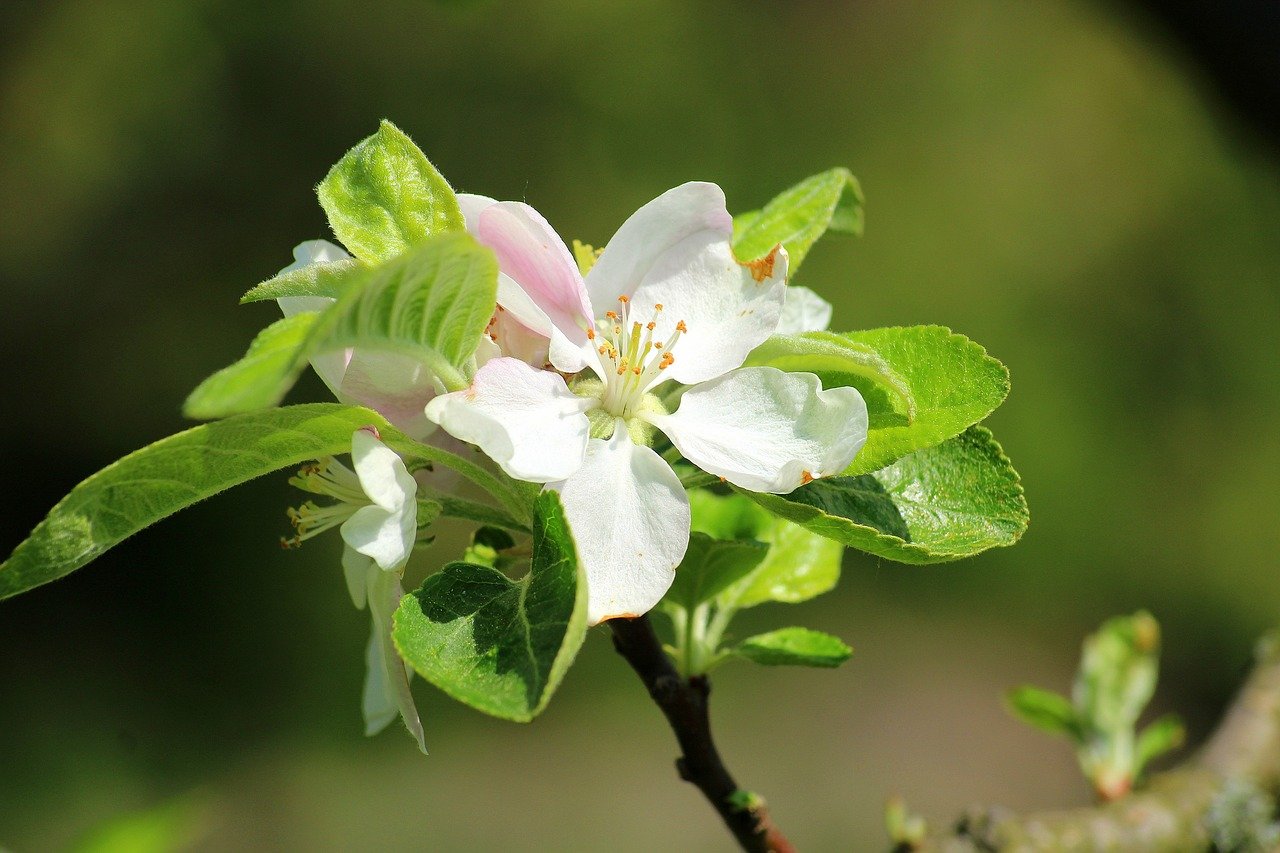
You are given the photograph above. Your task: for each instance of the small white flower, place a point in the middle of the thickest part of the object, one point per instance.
(666, 300)
(378, 512)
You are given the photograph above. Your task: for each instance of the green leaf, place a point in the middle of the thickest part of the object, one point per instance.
(952, 381)
(837, 361)
(487, 544)
(1119, 668)
(1045, 710)
(498, 645)
(384, 196)
(799, 216)
(431, 304)
(174, 473)
(798, 566)
(1160, 736)
(258, 380)
(710, 565)
(330, 279)
(939, 504)
(794, 647)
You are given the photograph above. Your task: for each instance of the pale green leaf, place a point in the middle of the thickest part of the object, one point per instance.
(330, 279)
(384, 196)
(796, 218)
(1045, 710)
(710, 565)
(261, 378)
(1162, 735)
(938, 504)
(798, 566)
(174, 473)
(431, 303)
(952, 381)
(794, 647)
(498, 645)
(837, 361)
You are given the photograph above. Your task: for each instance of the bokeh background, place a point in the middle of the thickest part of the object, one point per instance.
(1070, 183)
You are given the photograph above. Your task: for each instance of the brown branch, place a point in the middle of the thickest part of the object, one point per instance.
(684, 702)
(1170, 812)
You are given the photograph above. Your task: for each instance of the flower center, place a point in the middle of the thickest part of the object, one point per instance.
(329, 478)
(632, 359)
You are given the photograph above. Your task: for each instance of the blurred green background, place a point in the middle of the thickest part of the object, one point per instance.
(1054, 179)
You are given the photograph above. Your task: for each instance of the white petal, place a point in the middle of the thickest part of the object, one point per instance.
(630, 521)
(382, 474)
(649, 233)
(328, 366)
(804, 311)
(355, 569)
(382, 535)
(766, 430)
(385, 593)
(728, 308)
(395, 386)
(526, 420)
(378, 702)
(472, 205)
(534, 256)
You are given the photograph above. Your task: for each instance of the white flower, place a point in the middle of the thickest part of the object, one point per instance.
(666, 300)
(396, 386)
(378, 512)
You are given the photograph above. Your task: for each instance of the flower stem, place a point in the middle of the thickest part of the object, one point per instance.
(684, 703)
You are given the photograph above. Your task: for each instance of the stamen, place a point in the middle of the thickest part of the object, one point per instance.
(591, 334)
(624, 299)
(681, 327)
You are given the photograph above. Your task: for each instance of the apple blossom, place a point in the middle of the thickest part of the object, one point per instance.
(377, 510)
(666, 300)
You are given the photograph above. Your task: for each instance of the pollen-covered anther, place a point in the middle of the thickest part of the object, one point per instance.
(591, 334)
(611, 315)
(681, 327)
(624, 299)
(667, 360)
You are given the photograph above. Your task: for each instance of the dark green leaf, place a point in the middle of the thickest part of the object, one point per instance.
(384, 196)
(797, 217)
(794, 647)
(942, 503)
(498, 645)
(710, 565)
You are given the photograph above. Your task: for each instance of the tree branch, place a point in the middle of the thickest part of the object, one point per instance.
(684, 702)
(1170, 813)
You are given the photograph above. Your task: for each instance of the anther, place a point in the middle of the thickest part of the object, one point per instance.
(591, 334)
(650, 325)
(681, 327)
(657, 306)
(624, 299)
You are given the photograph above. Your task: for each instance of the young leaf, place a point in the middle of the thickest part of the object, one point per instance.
(794, 647)
(952, 380)
(1160, 736)
(838, 362)
(939, 504)
(798, 566)
(799, 216)
(498, 645)
(261, 378)
(384, 196)
(329, 279)
(1045, 710)
(174, 473)
(431, 303)
(710, 565)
